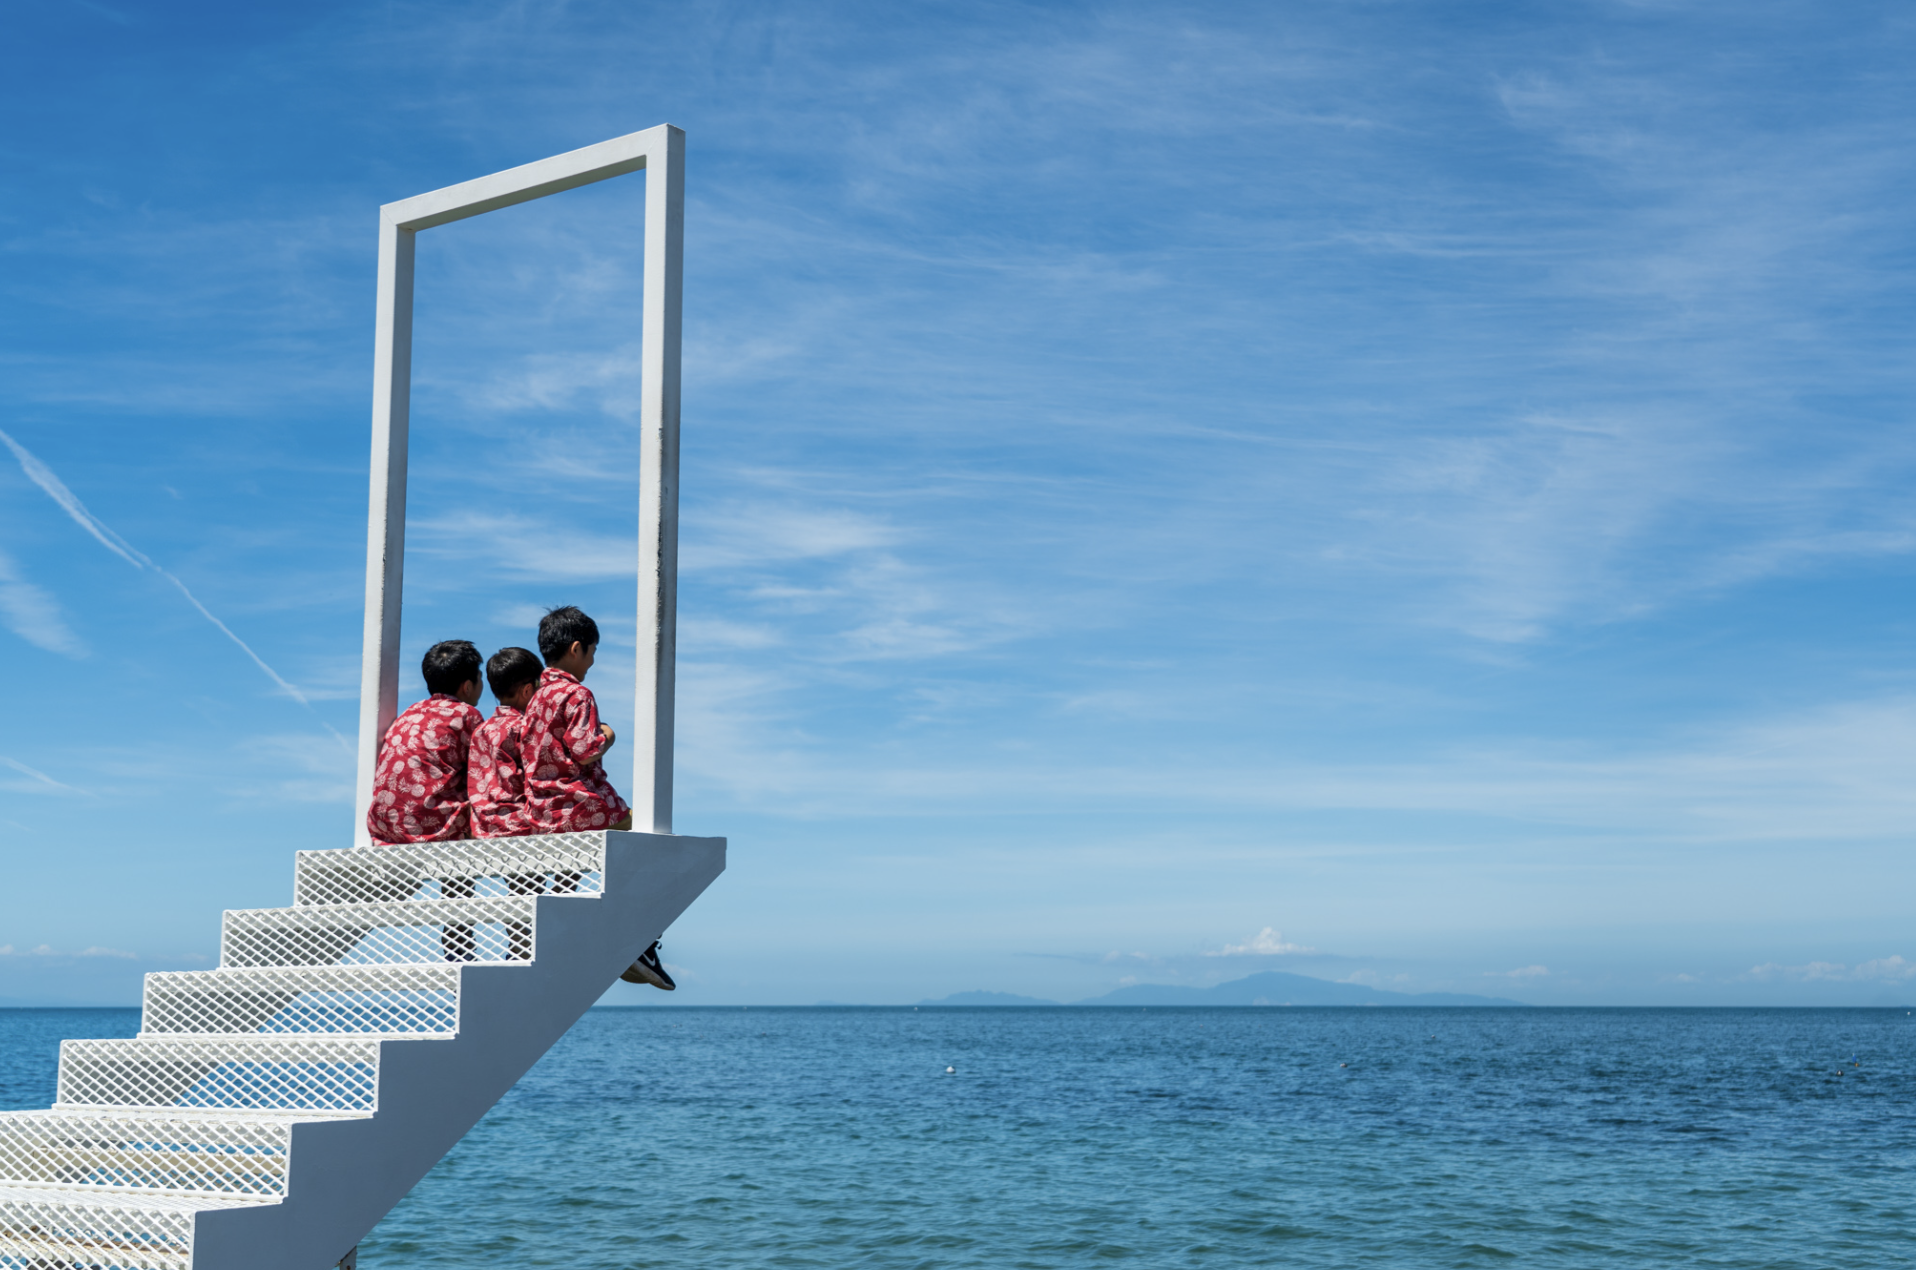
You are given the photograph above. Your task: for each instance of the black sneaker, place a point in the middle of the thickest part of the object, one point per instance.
(649, 969)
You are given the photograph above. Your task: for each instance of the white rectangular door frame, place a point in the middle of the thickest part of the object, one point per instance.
(660, 152)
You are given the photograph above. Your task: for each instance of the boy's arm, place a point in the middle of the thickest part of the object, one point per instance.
(608, 736)
(586, 739)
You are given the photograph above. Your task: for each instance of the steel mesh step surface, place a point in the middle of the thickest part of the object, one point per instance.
(158, 1151)
(269, 1073)
(402, 1000)
(560, 863)
(46, 1227)
(496, 930)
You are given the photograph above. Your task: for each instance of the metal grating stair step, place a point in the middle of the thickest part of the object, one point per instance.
(403, 1000)
(556, 864)
(492, 930)
(295, 1073)
(43, 1228)
(153, 1150)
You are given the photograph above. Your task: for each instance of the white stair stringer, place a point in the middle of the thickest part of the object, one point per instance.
(271, 1112)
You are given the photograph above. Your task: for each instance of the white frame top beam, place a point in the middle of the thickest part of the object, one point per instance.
(660, 152)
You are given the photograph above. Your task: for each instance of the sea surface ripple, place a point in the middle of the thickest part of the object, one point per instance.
(835, 1137)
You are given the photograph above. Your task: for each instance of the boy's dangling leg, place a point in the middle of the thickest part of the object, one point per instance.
(456, 937)
(649, 969)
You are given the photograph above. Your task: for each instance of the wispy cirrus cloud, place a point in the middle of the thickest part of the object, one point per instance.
(33, 614)
(37, 782)
(69, 502)
(1833, 773)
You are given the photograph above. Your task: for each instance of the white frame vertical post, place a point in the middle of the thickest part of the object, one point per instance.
(660, 152)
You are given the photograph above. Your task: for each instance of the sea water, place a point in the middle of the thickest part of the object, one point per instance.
(704, 1138)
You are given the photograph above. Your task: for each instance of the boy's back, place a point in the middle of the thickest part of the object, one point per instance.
(562, 743)
(495, 779)
(561, 747)
(419, 783)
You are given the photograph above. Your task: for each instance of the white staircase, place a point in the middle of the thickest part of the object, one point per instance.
(271, 1111)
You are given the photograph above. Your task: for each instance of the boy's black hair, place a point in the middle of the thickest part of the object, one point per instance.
(511, 669)
(448, 664)
(561, 629)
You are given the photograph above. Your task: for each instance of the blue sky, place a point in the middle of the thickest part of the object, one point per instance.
(1408, 493)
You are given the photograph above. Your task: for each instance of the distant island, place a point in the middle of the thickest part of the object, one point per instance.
(1269, 987)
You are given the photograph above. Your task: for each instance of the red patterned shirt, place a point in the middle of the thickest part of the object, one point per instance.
(567, 790)
(494, 780)
(419, 785)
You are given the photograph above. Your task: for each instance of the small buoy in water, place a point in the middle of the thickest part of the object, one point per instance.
(950, 1070)
(1343, 1064)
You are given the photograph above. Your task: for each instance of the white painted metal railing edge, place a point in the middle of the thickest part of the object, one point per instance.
(660, 152)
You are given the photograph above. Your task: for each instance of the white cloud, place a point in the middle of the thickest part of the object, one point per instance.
(1887, 968)
(743, 535)
(33, 614)
(1892, 969)
(1522, 972)
(1268, 942)
(696, 634)
(513, 545)
(521, 615)
(38, 781)
(1835, 774)
(298, 767)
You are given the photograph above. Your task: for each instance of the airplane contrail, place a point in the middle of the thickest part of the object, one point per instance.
(42, 475)
(37, 774)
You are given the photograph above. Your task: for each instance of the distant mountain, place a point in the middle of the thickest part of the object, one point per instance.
(988, 998)
(1278, 987)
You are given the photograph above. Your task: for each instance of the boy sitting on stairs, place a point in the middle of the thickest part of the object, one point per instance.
(496, 785)
(494, 780)
(562, 750)
(419, 783)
